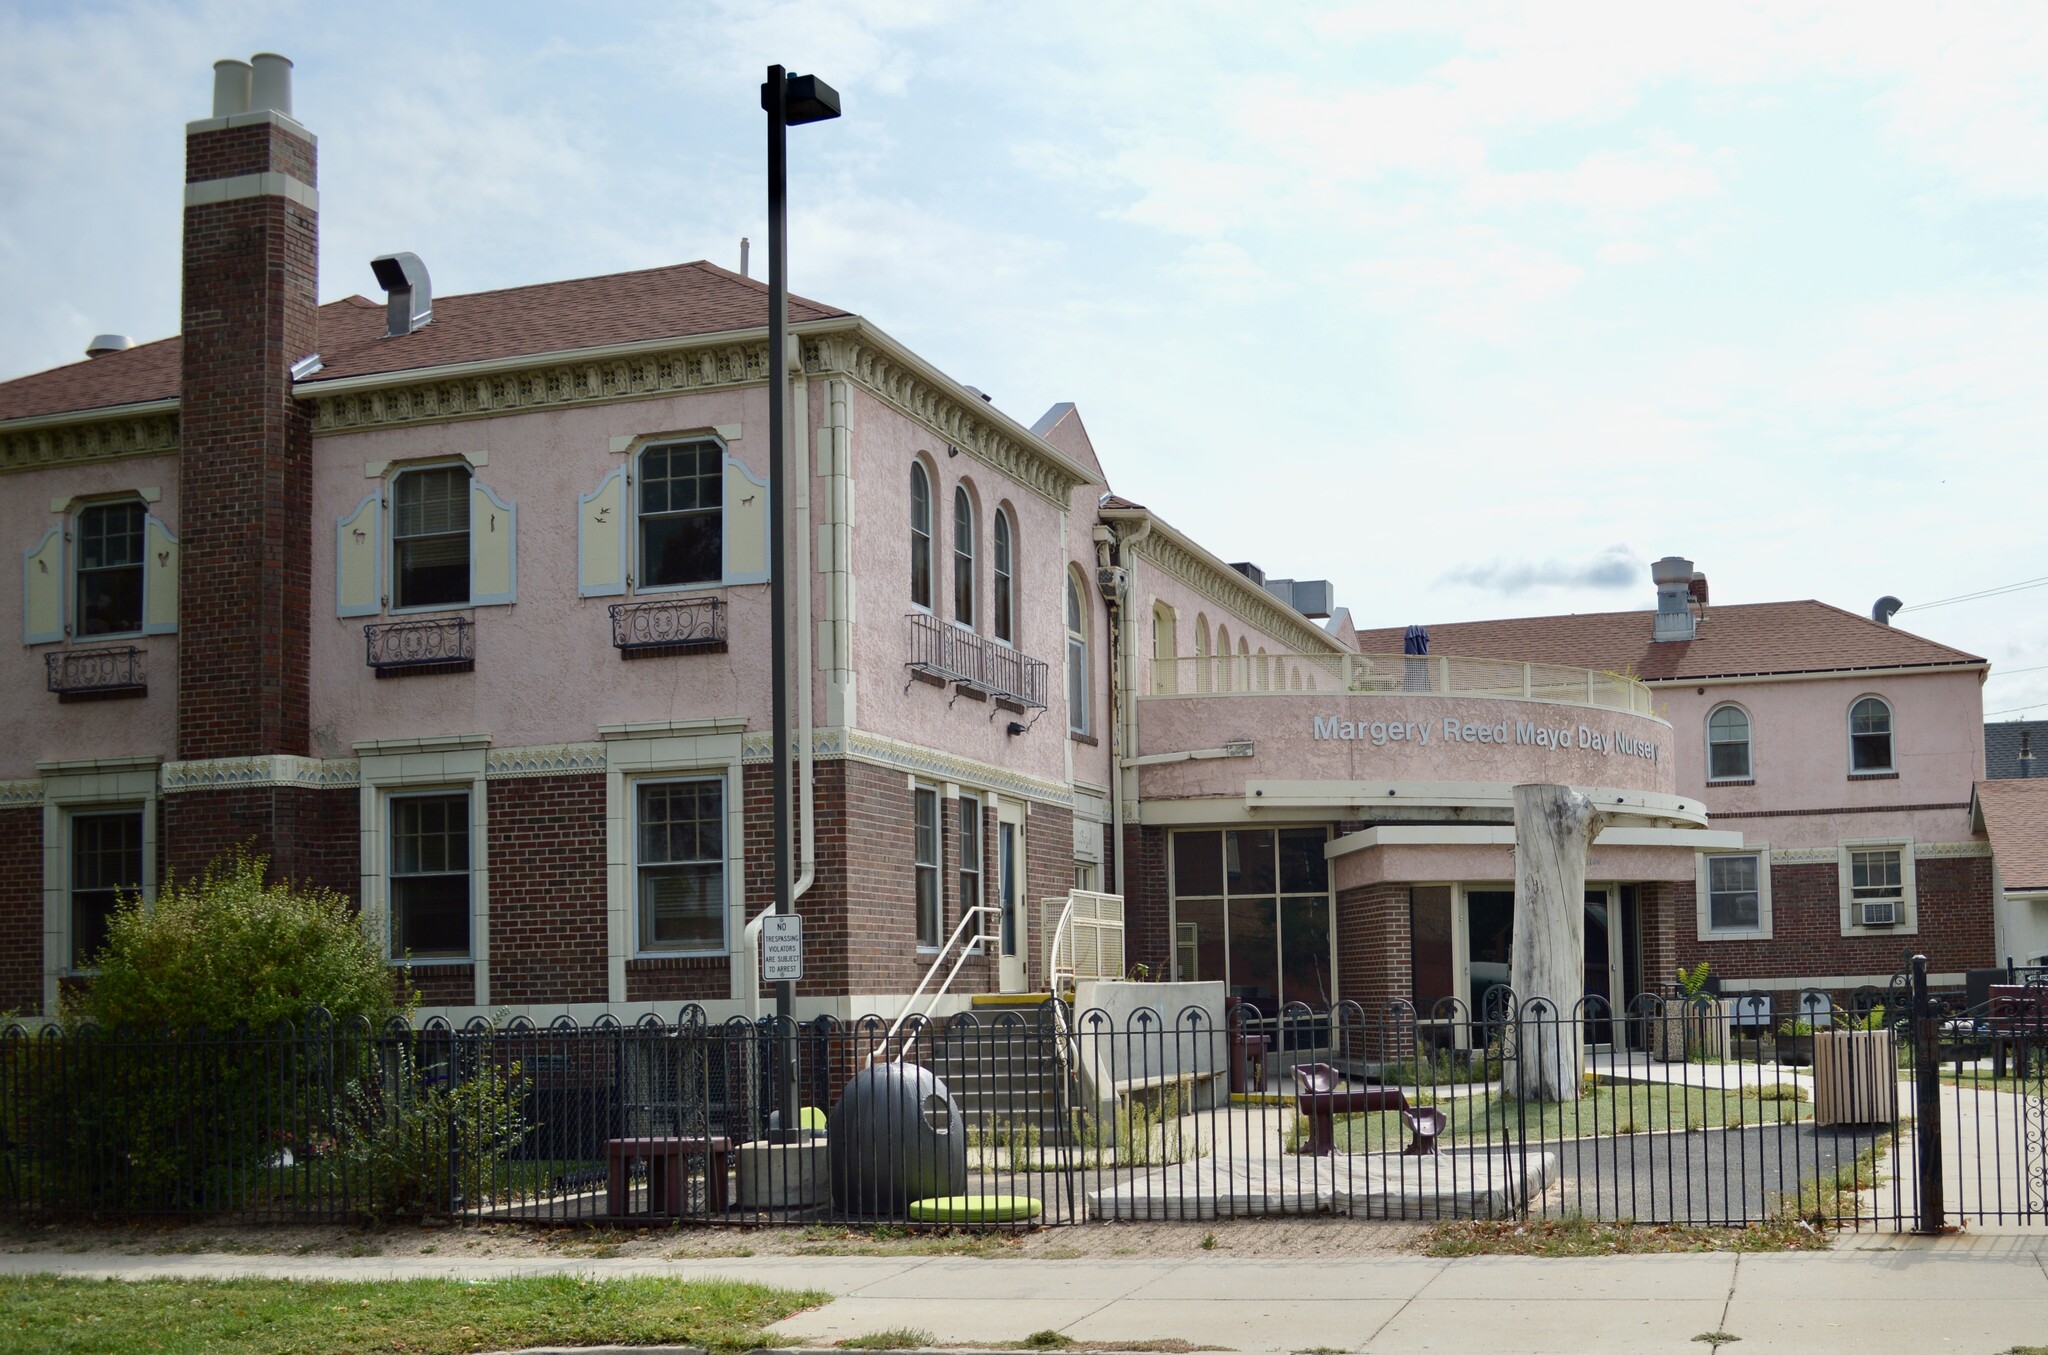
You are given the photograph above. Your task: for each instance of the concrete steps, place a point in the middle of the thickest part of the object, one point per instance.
(1001, 1074)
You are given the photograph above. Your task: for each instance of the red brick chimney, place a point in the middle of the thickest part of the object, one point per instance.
(245, 473)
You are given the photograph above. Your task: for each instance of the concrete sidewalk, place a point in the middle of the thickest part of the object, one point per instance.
(1973, 1295)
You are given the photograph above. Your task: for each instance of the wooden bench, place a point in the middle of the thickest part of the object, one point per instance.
(2017, 1019)
(1320, 1103)
(665, 1173)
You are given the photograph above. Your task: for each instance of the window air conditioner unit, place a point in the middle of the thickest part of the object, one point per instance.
(1884, 913)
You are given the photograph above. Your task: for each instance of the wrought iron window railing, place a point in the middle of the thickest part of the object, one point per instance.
(98, 674)
(441, 644)
(685, 625)
(944, 651)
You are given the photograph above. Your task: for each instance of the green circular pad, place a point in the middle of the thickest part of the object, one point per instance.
(975, 1209)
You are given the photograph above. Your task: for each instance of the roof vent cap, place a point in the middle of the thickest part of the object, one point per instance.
(411, 293)
(103, 344)
(1882, 610)
(1676, 619)
(270, 83)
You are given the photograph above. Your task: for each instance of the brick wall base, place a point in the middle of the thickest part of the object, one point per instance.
(21, 910)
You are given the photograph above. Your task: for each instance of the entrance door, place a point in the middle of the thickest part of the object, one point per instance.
(1601, 939)
(1012, 972)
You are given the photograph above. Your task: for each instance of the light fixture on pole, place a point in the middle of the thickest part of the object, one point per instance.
(787, 99)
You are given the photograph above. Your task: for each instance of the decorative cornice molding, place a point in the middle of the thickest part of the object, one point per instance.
(1951, 850)
(561, 759)
(911, 393)
(1249, 603)
(686, 367)
(884, 752)
(1922, 851)
(87, 441)
(282, 769)
(20, 794)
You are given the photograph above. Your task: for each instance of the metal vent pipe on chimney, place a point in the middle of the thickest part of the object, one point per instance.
(270, 83)
(231, 84)
(411, 293)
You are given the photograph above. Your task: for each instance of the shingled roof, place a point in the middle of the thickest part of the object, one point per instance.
(2015, 814)
(1744, 640)
(680, 301)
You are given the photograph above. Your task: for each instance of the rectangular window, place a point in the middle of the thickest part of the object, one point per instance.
(1733, 894)
(680, 859)
(682, 497)
(1875, 876)
(430, 886)
(106, 864)
(926, 810)
(430, 538)
(970, 862)
(110, 569)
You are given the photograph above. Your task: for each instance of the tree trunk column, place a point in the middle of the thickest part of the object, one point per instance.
(1554, 827)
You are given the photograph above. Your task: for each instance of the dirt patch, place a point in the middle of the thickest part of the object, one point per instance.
(1274, 1237)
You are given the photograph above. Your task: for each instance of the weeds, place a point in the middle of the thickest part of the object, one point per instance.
(896, 1338)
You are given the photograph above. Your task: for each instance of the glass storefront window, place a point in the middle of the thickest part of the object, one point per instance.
(1252, 909)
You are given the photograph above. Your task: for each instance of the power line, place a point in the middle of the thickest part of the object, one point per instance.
(1979, 594)
(2014, 710)
(2015, 672)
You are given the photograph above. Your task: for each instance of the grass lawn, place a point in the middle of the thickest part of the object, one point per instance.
(52, 1316)
(1980, 1079)
(1609, 1108)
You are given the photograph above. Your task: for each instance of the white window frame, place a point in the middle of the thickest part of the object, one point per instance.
(641, 950)
(969, 808)
(403, 766)
(1891, 714)
(921, 535)
(1909, 900)
(398, 477)
(75, 568)
(966, 551)
(1748, 745)
(392, 800)
(668, 750)
(84, 788)
(1002, 560)
(934, 869)
(636, 538)
(1703, 899)
(1079, 715)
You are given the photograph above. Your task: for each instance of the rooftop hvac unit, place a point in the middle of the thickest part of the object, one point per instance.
(1881, 913)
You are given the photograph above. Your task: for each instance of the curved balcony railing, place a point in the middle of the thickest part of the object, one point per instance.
(1398, 675)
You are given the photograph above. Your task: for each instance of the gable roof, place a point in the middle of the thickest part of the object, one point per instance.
(678, 301)
(2015, 814)
(1741, 640)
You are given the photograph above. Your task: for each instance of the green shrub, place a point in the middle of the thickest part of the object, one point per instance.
(226, 950)
(414, 1142)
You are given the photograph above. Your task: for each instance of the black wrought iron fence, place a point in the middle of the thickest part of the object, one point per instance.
(1667, 1111)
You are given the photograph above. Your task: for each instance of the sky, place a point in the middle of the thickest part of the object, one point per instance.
(1474, 309)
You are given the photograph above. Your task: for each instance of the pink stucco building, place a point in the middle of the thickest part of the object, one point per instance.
(458, 605)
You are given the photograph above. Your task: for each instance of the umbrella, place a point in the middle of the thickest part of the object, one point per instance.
(1414, 643)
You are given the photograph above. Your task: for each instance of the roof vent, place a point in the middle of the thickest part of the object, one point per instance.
(270, 83)
(404, 279)
(1673, 576)
(1313, 598)
(103, 344)
(1882, 610)
(1250, 571)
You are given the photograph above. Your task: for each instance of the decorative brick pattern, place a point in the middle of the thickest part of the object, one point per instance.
(548, 929)
(21, 910)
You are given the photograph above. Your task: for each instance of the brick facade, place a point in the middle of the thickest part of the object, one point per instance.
(549, 930)
(251, 279)
(21, 909)
(311, 836)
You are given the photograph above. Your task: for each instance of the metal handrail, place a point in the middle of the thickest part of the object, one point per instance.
(972, 947)
(1399, 675)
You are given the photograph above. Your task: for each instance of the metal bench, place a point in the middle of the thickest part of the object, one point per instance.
(1320, 1103)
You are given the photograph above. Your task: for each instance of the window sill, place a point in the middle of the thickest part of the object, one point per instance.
(1734, 781)
(406, 670)
(1746, 934)
(102, 694)
(673, 651)
(1088, 739)
(652, 963)
(1873, 776)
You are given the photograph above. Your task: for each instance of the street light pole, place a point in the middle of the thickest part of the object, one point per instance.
(786, 99)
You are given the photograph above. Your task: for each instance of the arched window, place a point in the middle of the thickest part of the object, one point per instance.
(1728, 744)
(1265, 671)
(1003, 603)
(1870, 736)
(1165, 647)
(920, 535)
(1222, 658)
(1077, 658)
(1204, 680)
(963, 557)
